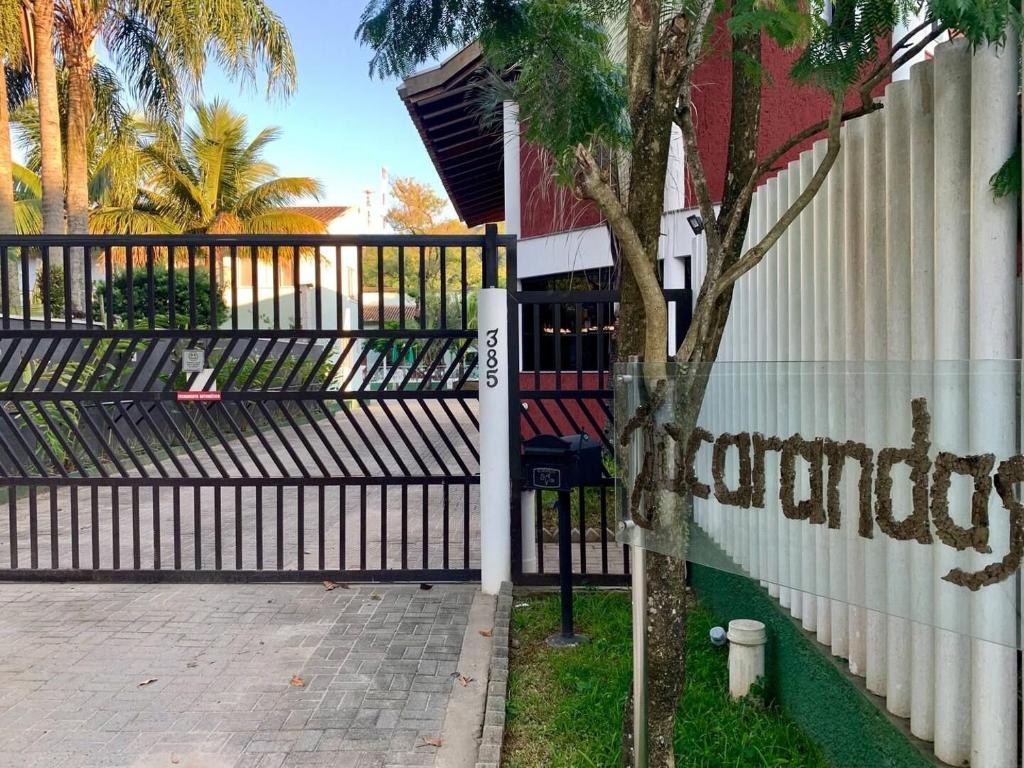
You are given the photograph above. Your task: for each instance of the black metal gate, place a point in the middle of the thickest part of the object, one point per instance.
(565, 387)
(330, 433)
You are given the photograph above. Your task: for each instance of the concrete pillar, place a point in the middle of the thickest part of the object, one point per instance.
(808, 534)
(794, 528)
(819, 329)
(897, 385)
(853, 252)
(952, 105)
(993, 395)
(771, 355)
(874, 220)
(835, 353)
(761, 336)
(922, 350)
(511, 167)
(495, 484)
(782, 308)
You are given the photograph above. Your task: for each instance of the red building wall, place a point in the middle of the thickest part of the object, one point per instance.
(547, 206)
(785, 108)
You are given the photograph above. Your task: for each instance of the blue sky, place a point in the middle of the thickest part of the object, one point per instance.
(340, 126)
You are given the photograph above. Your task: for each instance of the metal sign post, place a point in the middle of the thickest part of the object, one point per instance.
(638, 575)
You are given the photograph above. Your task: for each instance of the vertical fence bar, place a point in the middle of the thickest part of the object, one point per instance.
(172, 292)
(33, 529)
(151, 288)
(12, 523)
(54, 529)
(342, 526)
(136, 532)
(66, 286)
(26, 290)
(321, 522)
(300, 524)
(5, 287)
(155, 490)
(129, 283)
(239, 536)
(197, 527)
(176, 513)
(115, 527)
(217, 541)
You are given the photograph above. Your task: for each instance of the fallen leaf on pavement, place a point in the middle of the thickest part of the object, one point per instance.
(329, 585)
(487, 632)
(298, 682)
(147, 681)
(431, 741)
(464, 681)
(375, 597)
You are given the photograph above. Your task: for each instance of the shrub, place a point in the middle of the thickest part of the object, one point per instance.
(161, 304)
(56, 290)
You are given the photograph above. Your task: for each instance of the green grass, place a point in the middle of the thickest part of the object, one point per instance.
(565, 706)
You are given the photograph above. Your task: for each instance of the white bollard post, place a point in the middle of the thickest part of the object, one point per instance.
(746, 655)
(495, 481)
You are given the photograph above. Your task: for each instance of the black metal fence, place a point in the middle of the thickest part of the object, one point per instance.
(330, 433)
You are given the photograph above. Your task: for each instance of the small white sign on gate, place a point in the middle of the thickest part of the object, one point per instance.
(193, 360)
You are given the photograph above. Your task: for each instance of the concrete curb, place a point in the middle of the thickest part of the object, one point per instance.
(489, 755)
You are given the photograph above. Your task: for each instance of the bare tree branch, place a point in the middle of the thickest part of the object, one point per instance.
(594, 186)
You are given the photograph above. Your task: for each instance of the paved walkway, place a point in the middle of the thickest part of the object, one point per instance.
(225, 676)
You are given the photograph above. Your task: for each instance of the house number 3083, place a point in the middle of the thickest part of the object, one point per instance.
(492, 358)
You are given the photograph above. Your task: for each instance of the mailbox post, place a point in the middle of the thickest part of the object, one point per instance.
(560, 464)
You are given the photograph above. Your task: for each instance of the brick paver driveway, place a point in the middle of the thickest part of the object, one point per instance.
(97, 676)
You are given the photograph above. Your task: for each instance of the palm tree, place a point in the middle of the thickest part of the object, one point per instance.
(28, 203)
(212, 179)
(11, 56)
(45, 74)
(115, 163)
(161, 46)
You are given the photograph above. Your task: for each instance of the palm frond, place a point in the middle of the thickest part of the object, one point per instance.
(278, 222)
(129, 220)
(27, 184)
(277, 193)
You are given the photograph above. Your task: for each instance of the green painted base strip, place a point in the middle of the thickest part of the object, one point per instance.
(833, 711)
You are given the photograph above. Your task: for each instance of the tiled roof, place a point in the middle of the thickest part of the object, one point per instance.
(392, 313)
(325, 214)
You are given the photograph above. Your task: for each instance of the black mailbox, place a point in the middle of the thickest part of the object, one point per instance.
(553, 463)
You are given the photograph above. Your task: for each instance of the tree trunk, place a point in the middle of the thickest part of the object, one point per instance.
(80, 100)
(7, 222)
(51, 172)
